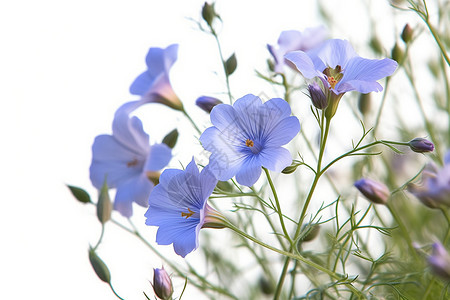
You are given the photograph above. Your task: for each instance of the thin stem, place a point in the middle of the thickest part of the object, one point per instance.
(213, 32)
(447, 235)
(101, 237)
(112, 289)
(277, 203)
(190, 120)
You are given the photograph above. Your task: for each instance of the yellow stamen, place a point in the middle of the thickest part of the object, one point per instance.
(332, 81)
(132, 163)
(249, 143)
(187, 214)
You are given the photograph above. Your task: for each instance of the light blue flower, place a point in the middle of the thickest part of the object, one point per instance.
(178, 205)
(340, 68)
(126, 160)
(247, 136)
(154, 84)
(292, 40)
(439, 261)
(434, 190)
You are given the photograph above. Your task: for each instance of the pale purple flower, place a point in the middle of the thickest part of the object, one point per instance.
(247, 136)
(434, 190)
(374, 191)
(154, 84)
(292, 40)
(340, 68)
(162, 284)
(178, 205)
(125, 159)
(439, 261)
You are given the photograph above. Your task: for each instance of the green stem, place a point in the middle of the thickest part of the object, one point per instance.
(277, 203)
(112, 289)
(213, 32)
(101, 237)
(190, 120)
(447, 235)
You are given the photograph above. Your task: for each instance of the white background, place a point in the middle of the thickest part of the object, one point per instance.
(65, 67)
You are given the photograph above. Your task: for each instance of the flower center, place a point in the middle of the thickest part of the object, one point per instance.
(132, 163)
(249, 143)
(187, 214)
(333, 75)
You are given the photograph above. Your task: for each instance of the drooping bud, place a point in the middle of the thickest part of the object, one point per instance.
(318, 98)
(439, 261)
(407, 33)
(99, 266)
(162, 284)
(421, 145)
(207, 103)
(104, 205)
(373, 190)
(171, 138)
(364, 102)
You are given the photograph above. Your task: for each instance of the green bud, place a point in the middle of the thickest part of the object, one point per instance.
(376, 45)
(407, 33)
(79, 194)
(290, 169)
(231, 64)
(397, 53)
(171, 138)
(266, 286)
(99, 266)
(104, 205)
(208, 13)
(309, 233)
(271, 65)
(364, 102)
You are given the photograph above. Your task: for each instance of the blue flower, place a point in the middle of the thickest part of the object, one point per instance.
(434, 190)
(340, 68)
(292, 40)
(126, 160)
(439, 261)
(154, 84)
(178, 205)
(248, 136)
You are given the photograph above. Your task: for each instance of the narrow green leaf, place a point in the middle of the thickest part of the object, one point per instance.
(79, 194)
(231, 64)
(171, 138)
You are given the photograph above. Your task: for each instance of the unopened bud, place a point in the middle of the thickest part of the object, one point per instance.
(171, 138)
(208, 13)
(291, 169)
(407, 33)
(439, 261)
(397, 53)
(318, 98)
(104, 205)
(207, 103)
(266, 286)
(162, 284)
(99, 266)
(421, 145)
(374, 191)
(376, 45)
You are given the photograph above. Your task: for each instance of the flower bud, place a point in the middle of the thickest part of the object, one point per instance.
(162, 284)
(407, 33)
(208, 13)
(104, 205)
(171, 138)
(374, 191)
(439, 261)
(421, 145)
(318, 98)
(207, 103)
(99, 266)
(266, 286)
(397, 53)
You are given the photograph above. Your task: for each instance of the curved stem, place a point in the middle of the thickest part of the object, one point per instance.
(101, 237)
(190, 120)
(112, 289)
(277, 202)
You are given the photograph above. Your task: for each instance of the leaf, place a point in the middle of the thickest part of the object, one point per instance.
(230, 65)
(171, 138)
(79, 194)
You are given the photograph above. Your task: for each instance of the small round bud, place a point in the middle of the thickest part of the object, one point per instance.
(397, 53)
(207, 103)
(421, 145)
(373, 190)
(266, 286)
(99, 266)
(318, 98)
(208, 13)
(162, 284)
(407, 33)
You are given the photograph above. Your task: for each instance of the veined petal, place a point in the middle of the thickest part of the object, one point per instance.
(360, 86)
(249, 172)
(159, 157)
(275, 159)
(332, 53)
(184, 237)
(303, 63)
(223, 116)
(283, 132)
(141, 84)
(361, 69)
(136, 189)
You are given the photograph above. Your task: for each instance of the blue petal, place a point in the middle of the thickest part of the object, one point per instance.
(332, 53)
(111, 158)
(303, 63)
(183, 237)
(159, 157)
(283, 132)
(223, 116)
(136, 189)
(141, 84)
(249, 172)
(360, 72)
(275, 159)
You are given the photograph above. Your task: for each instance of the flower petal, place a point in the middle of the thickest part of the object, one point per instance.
(283, 132)
(136, 189)
(250, 171)
(159, 157)
(303, 63)
(332, 53)
(275, 159)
